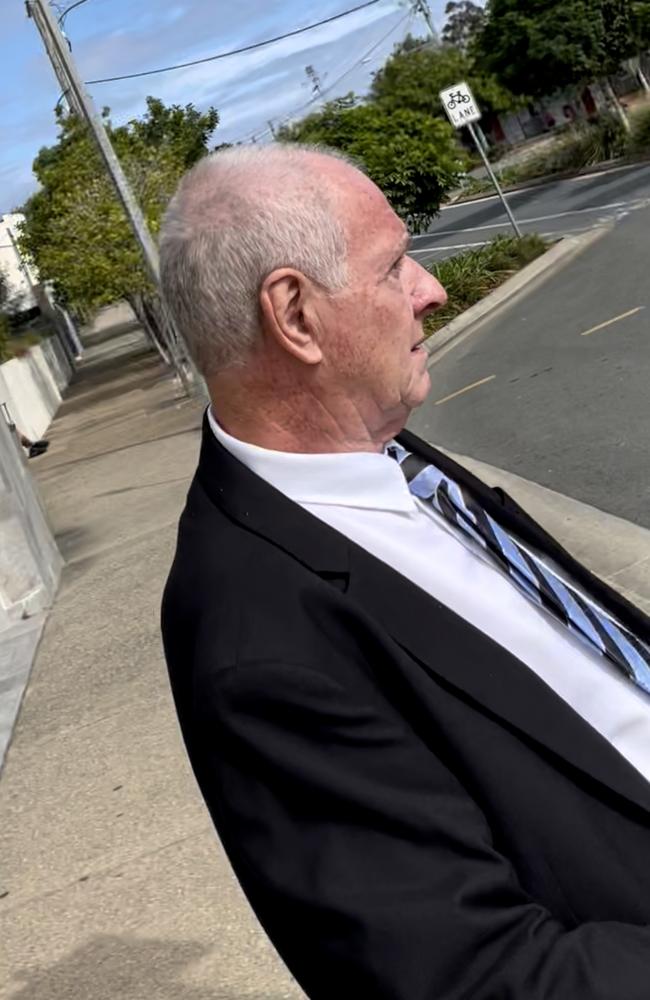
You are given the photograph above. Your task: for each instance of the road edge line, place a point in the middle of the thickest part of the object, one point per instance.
(520, 283)
(606, 167)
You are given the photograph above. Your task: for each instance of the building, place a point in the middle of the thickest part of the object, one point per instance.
(21, 279)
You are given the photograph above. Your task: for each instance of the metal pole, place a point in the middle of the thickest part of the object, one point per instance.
(493, 178)
(59, 54)
(615, 104)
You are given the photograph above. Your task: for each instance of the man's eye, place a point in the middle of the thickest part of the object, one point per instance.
(397, 266)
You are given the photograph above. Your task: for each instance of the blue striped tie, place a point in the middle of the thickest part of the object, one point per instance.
(539, 582)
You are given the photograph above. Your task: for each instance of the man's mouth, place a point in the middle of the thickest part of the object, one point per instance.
(417, 346)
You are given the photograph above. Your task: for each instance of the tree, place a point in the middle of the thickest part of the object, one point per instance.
(5, 296)
(465, 20)
(537, 47)
(5, 293)
(412, 78)
(75, 229)
(640, 13)
(414, 160)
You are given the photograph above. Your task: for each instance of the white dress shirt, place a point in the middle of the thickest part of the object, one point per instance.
(365, 497)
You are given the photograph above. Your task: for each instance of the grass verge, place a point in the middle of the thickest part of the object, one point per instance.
(470, 276)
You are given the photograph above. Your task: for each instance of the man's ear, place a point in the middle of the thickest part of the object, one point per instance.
(286, 303)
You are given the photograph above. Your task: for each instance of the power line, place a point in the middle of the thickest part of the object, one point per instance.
(335, 83)
(68, 9)
(233, 52)
(314, 100)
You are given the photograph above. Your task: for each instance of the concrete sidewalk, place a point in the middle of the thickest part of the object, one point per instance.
(114, 886)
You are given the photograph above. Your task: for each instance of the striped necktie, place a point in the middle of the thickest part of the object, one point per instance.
(539, 582)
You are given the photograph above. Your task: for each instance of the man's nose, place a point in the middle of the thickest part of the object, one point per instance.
(428, 294)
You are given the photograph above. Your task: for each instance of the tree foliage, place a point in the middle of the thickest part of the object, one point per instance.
(413, 77)
(415, 160)
(536, 47)
(4, 290)
(640, 14)
(75, 229)
(465, 20)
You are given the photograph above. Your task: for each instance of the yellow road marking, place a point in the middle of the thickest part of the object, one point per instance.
(608, 322)
(467, 388)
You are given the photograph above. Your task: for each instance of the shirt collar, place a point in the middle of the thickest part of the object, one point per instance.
(367, 480)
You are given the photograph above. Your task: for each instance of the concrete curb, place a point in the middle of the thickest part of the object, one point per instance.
(521, 282)
(606, 167)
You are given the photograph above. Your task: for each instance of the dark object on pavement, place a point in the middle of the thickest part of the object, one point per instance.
(38, 448)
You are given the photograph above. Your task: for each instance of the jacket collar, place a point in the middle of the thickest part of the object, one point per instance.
(449, 648)
(366, 480)
(264, 510)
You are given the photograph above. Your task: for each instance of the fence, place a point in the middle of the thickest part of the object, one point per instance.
(30, 562)
(32, 386)
(31, 389)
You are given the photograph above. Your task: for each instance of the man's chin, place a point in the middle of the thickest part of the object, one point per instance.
(420, 391)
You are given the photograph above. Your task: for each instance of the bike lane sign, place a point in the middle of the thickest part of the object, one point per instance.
(459, 105)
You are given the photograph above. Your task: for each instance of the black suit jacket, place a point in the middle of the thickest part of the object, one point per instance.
(412, 813)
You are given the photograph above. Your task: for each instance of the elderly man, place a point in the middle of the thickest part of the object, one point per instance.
(421, 727)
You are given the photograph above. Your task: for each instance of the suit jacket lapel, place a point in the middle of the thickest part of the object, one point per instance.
(467, 660)
(444, 644)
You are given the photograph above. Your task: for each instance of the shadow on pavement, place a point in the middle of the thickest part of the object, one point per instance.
(114, 451)
(119, 968)
(110, 332)
(622, 190)
(486, 212)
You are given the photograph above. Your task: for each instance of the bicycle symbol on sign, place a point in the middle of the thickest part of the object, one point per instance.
(457, 98)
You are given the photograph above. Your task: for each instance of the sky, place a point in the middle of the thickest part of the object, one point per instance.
(114, 37)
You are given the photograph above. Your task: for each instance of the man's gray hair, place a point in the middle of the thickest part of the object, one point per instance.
(238, 215)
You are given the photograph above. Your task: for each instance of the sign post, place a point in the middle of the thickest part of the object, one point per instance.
(461, 109)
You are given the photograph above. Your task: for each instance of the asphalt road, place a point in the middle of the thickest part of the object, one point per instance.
(555, 209)
(539, 392)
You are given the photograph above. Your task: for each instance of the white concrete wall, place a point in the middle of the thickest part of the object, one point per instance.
(32, 386)
(30, 562)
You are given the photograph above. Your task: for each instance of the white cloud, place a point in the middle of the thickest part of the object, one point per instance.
(275, 72)
(247, 90)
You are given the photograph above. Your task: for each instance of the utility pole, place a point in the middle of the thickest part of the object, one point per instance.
(59, 70)
(422, 7)
(58, 51)
(272, 128)
(314, 79)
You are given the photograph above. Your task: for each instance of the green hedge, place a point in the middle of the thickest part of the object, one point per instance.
(470, 276)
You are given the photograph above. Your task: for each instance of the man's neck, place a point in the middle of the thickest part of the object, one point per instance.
(300, 423)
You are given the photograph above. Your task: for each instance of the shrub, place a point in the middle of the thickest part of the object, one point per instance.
(639, 141)
(5, 353)
(469, 276)
(583, 146)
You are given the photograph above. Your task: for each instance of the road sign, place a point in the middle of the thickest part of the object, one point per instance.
(462, 110)
(459, 105)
